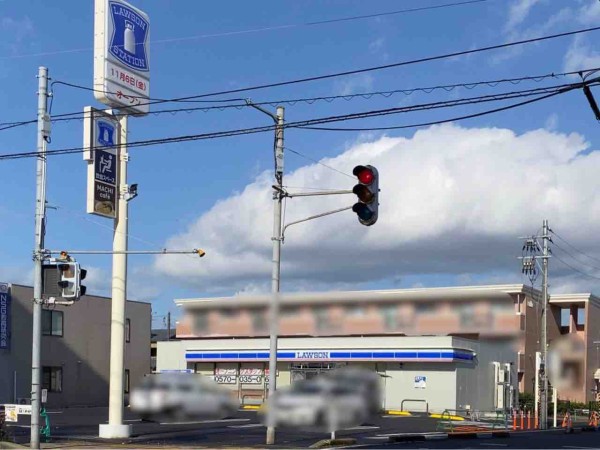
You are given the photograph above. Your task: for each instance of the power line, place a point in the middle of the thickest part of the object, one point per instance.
(270, 28)
(318, 162)
(79, 115)
(573, 247)
(574, 268)
(310, 122)
(575, 259)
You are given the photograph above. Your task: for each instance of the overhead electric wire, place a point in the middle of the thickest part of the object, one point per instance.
(310, 100)
(318, 162)
(574, 268)
(270, 28)
(575, 259)
(298, 124)
(573, 247)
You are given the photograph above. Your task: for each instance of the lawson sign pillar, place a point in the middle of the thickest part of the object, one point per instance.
(121, 81)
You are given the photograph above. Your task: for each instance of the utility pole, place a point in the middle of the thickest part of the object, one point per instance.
(43, 132)
(544, 372)
(169, 326)
(275, 278)
(115, 427)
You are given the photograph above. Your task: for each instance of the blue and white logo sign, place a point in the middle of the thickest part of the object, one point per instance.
(122, 56)
(105, 133)
(129, 37)
(420, 381)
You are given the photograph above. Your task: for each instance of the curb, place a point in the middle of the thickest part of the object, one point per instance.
(326, 443)
(443, 436)
(397, 412)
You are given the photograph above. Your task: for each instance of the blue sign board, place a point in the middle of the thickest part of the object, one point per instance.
(129, 38)
(105, 167)
(4, 316)
(105, 133)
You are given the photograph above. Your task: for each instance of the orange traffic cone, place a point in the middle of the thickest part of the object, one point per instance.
(567, 423)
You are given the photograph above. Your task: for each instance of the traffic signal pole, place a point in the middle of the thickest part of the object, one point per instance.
(38, 255)
(115, 427)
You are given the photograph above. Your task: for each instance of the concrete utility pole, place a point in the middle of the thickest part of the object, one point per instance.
(277, 237)
(544, 372)
(115, 427)
(43, 131)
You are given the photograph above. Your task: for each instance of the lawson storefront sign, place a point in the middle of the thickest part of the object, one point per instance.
(424, 355)
(4, 316)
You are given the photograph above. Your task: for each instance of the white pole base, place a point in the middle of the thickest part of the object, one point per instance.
(110, 431)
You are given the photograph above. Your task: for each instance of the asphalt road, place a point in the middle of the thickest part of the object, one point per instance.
(243, 429)
(80, 426)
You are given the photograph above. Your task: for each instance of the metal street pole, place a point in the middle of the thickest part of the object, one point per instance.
(274, 306)
(544, 381)
(115, 427)
(40, 218)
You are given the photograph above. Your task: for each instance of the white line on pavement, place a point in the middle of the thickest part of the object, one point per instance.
(205, 421)
(248, 425)
(54, 412)
(133, 420)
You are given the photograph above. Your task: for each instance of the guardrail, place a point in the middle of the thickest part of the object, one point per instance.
(415, 401)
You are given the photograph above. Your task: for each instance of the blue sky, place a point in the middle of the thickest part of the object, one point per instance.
(181, 184)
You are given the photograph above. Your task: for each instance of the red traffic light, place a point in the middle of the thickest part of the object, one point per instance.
(364, 174)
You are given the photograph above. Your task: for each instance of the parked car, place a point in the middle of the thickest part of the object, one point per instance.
(319, 404)
(366, 382)
(181, 397)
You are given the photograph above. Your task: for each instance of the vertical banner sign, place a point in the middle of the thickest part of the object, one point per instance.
(121, 56)
(101, 139)
(5, 316)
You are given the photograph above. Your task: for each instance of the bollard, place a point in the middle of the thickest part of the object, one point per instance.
(529, 420)
(514, 420)
(522, 420)
(536, 426)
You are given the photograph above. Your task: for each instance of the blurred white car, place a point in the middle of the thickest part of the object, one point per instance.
(180, 397)
(363, 381)
(319, 404)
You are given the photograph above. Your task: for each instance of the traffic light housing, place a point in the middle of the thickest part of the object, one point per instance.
(367, 193)
(71, 276)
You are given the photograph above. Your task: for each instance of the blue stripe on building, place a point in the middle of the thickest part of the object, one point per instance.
(441, 355)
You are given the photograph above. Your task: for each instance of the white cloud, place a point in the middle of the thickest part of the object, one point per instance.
(551, 122)
(518, 12)
(589, 13)
(352, 85)
(581, 55)
(15, 32)
(453, 201)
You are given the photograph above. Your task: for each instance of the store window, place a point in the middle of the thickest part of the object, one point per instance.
(52, 379)
(52, 323)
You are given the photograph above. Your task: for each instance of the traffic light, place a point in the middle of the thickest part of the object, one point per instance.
(367, 191)
(70, 276)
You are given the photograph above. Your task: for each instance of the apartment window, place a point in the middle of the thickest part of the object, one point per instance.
(580, 316)
(565, 317)
(322, 318)
(390, 316)
(126, 382)
(258, 320)
(52, 323)
(425, 307)
(355, 311)
(289, 311)
(229, 312)
(127, 330)
(200, 321)
(52, 379)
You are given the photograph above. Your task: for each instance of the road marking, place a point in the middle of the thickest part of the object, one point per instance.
(18, 426)
(205, 421)
(133, 420)
(248, 425)
(376, 437)
(54, 412)
(575, 446)
(362, 427)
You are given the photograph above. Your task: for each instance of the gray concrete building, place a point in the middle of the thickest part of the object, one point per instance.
(75, 348)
